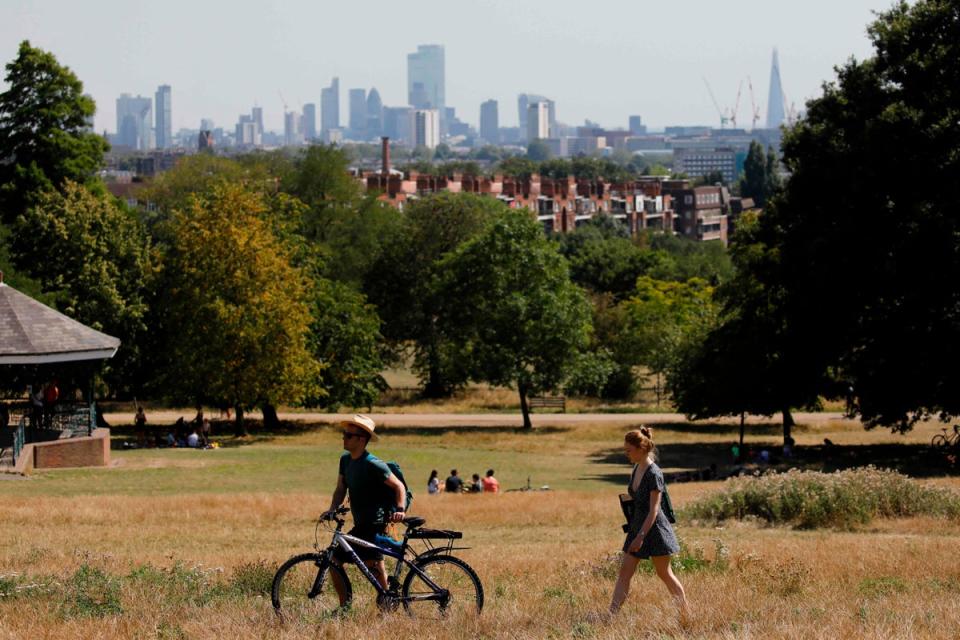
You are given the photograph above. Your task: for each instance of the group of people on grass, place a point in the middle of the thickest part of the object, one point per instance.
(374, 489)
(455, 484)
(195, 435)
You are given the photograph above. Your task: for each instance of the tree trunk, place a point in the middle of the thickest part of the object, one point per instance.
(743, 417)
(239, 426)
(524, 408)
(787, 424)
(270, 420)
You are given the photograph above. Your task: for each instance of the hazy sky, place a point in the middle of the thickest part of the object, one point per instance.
(598, 59)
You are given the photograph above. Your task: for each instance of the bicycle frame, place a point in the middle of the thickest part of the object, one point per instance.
(344, 540)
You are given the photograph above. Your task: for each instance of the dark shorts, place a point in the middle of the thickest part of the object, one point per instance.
(364, 532)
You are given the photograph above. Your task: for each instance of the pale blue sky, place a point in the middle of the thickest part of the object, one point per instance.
(603, 59)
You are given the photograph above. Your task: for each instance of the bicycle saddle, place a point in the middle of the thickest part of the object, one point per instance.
(413, 522)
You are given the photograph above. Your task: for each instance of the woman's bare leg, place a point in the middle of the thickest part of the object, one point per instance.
(627, 568)
(665, 572)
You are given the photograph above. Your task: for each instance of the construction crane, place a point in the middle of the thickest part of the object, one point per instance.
(736, 106)
(754, 109)
(283, 102)
(723, 117)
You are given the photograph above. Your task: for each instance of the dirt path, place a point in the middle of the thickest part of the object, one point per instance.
(481, 419)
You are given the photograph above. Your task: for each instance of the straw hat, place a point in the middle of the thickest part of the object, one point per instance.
(363, 422)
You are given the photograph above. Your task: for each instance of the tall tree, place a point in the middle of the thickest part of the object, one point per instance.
(233, 311)
(350, 225)
(507, 302)
(44, 133)
(399, 284)
(93, 257)
(663, 320)
(867, 230)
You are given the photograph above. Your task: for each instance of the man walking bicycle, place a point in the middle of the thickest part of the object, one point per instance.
(376, 495)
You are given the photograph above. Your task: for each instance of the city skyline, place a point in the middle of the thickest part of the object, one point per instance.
(220, 73)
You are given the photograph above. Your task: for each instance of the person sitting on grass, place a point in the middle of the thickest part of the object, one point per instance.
(433, 484)
(475, 486)
(490, 484)
(454, 483)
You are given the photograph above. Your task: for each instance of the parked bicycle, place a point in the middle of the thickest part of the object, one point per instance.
(432, 583)
(947, 439)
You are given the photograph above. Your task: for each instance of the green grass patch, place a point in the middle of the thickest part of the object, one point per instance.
(810, 499)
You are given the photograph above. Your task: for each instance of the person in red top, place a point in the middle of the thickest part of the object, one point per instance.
(490, 484)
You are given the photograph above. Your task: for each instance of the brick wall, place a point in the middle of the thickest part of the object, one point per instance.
(74, 452)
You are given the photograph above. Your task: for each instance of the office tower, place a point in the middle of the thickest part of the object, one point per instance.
(206, 124)
(396, 123)
(524, 100)
(205, 140)
(358, 112)
(330, 106)
(538, 121)
(134, 122)
(374, 113)
(257, 113)
(426, 87)
(637, 127)
(425, 127)
(775, 108)
(489, 122)
(164, 127)
(248, 132)
(291, 129)
(309, 121)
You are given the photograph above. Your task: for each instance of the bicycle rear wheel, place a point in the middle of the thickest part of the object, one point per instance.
(939, 440)
(447, 572)
(303, 590)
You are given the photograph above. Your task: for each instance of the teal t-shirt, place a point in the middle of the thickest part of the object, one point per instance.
(370, 499)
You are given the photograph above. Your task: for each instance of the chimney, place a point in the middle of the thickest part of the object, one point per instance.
(385, 143)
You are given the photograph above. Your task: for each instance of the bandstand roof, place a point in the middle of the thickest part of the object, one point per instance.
(33, 333)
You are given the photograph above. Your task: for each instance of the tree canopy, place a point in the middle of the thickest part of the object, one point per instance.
(44, 130)
(232, 311)
(507, 302)
(399, 284)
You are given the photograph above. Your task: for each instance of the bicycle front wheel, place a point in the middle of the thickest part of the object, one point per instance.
(464, 593)
(939, 440)
(303, 590)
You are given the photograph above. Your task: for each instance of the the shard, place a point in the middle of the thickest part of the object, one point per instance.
(776, 112)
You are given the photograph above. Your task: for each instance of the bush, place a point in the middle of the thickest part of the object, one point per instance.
(253, 578)
(809, 499)
(91, 593)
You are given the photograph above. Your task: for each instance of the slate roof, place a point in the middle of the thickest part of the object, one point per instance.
(33, 333)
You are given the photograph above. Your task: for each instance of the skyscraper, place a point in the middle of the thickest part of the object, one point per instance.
(164, 127)
(358, 112)
(538, 121)
(524, 100)
(425, 127)
(637, 127)
(776, 114)
(490, 122)
(309, 121)
(426, 88)
(257, 113)
(134, 122)
(292, 136)
(330, 106)
(374, 113)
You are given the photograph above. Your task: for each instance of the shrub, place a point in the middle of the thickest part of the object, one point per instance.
(252, 578)
(810, 499)
(91, 593)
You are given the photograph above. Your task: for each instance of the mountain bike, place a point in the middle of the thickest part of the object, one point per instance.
(432, 583)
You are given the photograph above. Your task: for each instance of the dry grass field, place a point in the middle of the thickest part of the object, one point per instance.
(180, 544)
